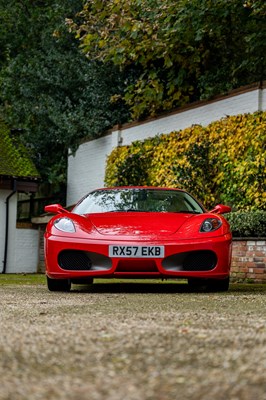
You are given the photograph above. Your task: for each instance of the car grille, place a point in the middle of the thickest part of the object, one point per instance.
(77, 260)
(204, 260)
(201, 260)
(74, 260)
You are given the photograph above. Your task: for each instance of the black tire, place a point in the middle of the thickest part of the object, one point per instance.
(58, 285)
(218, 285)
(209, 285)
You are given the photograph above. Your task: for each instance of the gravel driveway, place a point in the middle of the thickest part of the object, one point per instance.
(132, 342)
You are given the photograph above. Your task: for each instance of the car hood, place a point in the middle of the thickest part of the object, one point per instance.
(137, 223)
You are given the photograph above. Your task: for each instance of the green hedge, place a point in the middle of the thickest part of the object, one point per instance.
(247, 224)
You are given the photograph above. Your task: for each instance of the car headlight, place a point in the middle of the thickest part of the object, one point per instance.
(65, 225)
(210, 224)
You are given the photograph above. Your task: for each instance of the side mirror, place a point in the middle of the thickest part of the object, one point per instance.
(221, 209)
(54, 209)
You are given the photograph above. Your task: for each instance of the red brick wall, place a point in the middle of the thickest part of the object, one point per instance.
(249, 260)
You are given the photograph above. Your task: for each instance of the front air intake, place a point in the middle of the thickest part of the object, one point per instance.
(74, 260)
(200, 260)
(203, 260)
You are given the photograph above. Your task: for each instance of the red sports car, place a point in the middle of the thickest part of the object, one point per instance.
(138, 232)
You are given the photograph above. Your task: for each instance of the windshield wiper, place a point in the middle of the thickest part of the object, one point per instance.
(186, 212)
(127, 210)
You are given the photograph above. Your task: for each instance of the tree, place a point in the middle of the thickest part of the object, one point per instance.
(48, 87)
(182, 51)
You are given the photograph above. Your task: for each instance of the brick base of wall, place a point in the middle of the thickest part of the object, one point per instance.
(249, 260)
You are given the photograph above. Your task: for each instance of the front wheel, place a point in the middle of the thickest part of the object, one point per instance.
(218, 285)
(58, 285)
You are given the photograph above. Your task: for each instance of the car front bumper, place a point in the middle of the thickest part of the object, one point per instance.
(70, 258)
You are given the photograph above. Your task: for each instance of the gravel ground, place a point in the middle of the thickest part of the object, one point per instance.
(132, 342)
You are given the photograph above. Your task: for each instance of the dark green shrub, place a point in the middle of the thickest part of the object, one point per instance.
(248, 224)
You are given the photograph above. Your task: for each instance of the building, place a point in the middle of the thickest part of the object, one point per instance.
(19, 251)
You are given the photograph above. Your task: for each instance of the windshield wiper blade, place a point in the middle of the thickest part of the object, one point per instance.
(128, 210)
(186, 212)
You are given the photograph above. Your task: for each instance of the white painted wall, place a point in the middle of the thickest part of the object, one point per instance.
(86, 169)
(3, 196)
(23, 249)
(26, 257)
(202, 115)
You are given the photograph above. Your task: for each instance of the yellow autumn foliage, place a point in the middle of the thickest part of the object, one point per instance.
(224, 162)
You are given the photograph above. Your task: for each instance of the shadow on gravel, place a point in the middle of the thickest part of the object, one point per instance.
(133, 288)
(163, 287)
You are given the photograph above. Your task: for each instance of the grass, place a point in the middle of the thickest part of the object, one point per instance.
(22, 279)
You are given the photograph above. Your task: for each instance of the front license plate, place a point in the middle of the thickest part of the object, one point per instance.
(136, 251)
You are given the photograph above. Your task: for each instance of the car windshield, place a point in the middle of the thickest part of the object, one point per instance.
(138, 200)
